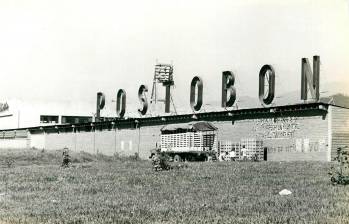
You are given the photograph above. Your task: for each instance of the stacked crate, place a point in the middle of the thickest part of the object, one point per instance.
(253, 146)
(188, 141)
(227, 146)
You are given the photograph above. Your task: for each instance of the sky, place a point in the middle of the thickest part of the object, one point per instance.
(72, 49)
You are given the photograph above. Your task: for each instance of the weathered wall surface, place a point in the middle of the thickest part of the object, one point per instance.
(124, 142)
(149, 137)
(59, 141)
(309, 134)
(340, 129)
(37, 140)
(106, 142)
(20, 143)
(287, 138)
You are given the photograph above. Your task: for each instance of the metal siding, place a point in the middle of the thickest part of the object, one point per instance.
(340, 129)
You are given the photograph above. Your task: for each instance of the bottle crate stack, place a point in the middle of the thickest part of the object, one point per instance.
(254, 147)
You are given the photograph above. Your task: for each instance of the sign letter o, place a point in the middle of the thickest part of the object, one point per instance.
(121, 103)
(196, 102)
(266, 74)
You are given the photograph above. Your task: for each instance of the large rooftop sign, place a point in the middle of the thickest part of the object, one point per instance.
(310, 81)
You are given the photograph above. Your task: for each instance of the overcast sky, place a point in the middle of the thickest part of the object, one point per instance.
(71, 49)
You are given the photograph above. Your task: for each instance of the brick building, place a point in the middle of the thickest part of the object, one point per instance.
(309, 131)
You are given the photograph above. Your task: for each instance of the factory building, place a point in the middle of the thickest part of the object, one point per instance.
(15, 113)
(306, 131)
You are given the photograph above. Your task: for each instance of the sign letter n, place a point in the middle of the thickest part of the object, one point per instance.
(310, 79)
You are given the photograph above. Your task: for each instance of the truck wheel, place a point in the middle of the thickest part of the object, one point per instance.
(177, 159)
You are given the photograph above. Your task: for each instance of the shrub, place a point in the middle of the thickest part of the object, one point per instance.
(66, 158)
(9, 162)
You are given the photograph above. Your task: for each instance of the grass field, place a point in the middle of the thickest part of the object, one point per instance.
(104, 190)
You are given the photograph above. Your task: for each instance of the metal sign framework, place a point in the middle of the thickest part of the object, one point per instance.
(163, 75)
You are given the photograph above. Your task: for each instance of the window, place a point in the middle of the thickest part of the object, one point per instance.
(76, 119)
(49, 119)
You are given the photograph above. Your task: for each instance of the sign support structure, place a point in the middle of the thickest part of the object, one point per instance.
(163, 75)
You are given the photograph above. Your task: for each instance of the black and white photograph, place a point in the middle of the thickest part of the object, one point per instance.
(166, 112)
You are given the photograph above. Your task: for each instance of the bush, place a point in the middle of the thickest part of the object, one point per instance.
(66, 159)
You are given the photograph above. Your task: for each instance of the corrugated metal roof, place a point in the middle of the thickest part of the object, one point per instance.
(192, 126)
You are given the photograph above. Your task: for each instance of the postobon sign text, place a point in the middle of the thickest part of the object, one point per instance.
(310, 79)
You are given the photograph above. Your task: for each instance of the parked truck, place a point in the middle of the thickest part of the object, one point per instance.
(198, 141)
(194, 141)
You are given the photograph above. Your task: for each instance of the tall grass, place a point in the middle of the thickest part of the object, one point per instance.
(119, 191)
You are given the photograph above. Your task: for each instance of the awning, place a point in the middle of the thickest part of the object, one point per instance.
(191, 126)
